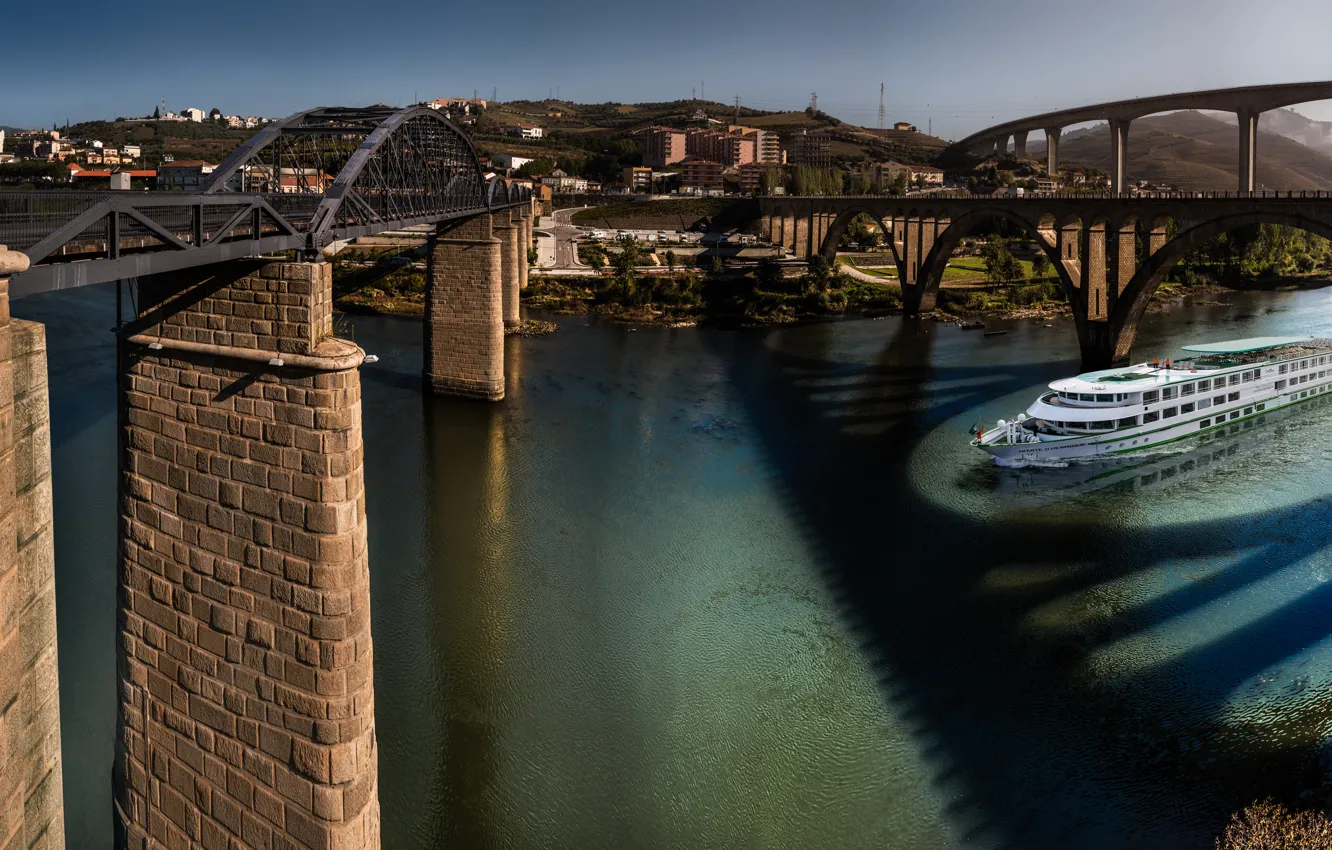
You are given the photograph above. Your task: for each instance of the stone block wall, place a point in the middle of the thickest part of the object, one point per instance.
(31, 794)
(503, 228)
(464, 321)
(247, 698)
(277, 306)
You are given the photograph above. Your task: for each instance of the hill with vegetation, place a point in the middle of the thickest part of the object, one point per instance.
(1193, 151)
(599, 140)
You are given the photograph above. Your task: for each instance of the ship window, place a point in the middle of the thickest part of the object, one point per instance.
(1169, 412)
(1128, 422)
(1150, 417)
(1233, 397)
(1234, 379)
(1248, 410)
(1168, 393)
(1281, 370)
(1219, 400)
(1105, 397)
(1187, 389)
(1101, 426)
(1150, 396)
(1262, 407)
(1186, 408)
(1279, 385)
(1087, 397)
(1204, 403)
(1248, 376)
(1121, 396)
(1204, 385)
(1322, 374)
(1206, 423)
(1234, 414)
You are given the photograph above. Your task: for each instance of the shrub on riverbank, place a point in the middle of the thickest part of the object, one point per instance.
(1271, 826)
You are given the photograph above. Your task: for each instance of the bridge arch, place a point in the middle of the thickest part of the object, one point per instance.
(833, 237)
(933, 264)
(1137, 295)
(369, 165)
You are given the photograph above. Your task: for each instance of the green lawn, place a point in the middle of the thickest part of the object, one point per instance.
(959, 268)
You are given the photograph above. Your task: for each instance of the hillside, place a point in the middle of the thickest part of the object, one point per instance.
(1196, 152)
(1291, 124)
(607, 127)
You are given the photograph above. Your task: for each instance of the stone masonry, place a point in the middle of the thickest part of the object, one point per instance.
(525, 222)
(246, 716)
(502, 225)
(31, 795)
(464, 320)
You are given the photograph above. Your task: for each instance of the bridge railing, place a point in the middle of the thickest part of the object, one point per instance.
(27, 218)
(1035, 194)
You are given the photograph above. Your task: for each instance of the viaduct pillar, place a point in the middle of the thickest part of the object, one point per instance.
(1119, 130)
(464, 316)
(246, 716)
(1248, 148)
(1052, 152)
(31, 794)
(802, 223)
(1020, 145)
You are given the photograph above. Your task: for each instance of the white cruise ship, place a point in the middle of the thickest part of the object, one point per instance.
(1147, 405)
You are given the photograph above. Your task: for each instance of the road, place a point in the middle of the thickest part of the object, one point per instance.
(563, 233)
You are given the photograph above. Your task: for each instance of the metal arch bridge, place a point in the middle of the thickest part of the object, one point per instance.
(313, 179)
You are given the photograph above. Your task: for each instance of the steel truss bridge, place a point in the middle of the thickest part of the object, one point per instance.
(301, 184)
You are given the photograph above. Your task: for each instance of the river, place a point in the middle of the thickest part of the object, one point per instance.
(692, 588)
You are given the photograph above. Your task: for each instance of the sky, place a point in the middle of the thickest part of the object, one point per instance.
(954, 65)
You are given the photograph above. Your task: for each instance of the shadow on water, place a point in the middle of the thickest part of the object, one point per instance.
(1031, 745)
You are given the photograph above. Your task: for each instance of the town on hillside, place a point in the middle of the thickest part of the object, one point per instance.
(681, 148)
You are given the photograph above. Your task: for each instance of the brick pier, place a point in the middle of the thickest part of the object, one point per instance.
(464, 314)
(246, 716)
(31, 794)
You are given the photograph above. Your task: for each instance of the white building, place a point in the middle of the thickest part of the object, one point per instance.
(508, 160)
(2, 140)
(528, 131)
(131, 151)
(195, 115)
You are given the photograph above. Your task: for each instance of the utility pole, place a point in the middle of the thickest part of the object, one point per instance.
(737, 109)
(557, 93)
(494, 94)
(881, 115)
(814, 101)
(703, 89)
(693, 93)
(473, 94)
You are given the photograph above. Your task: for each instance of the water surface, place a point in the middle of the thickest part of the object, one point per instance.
(689, 588)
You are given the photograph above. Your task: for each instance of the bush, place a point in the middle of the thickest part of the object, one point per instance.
(1270, 826)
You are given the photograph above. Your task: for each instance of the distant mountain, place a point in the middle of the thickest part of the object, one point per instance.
(7, 129)
(1198, 152)
(1292, 125)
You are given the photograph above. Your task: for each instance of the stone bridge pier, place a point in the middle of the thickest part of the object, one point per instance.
(246, 714)
(31, 795)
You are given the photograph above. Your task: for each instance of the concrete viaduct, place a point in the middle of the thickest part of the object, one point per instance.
(1110, 254)
(1248, 103)
(244, 651)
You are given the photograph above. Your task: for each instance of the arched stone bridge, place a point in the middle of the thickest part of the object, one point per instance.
(1110, 254)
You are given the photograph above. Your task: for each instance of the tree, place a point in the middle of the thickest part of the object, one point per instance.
(540, 165)
(157, 113)
(819, 272)
(718, 265)
(670, 261)
(1000, 264)
(769, 274)
(898, 186)
(625, 263)
(1040, 265)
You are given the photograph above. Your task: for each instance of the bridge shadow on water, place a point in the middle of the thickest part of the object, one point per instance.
(1026, 734)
